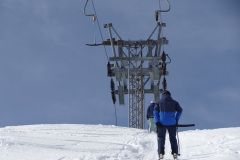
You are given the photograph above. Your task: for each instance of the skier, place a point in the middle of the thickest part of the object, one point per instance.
(167, 113)
(150, 117)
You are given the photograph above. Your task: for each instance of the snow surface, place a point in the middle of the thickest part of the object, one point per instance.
(100, 142)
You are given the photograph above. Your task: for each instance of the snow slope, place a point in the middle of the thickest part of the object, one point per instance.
(99, 142)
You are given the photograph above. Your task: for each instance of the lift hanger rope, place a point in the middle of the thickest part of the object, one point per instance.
(95, 18)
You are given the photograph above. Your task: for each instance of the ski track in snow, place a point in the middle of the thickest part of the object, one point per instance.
(101, 142)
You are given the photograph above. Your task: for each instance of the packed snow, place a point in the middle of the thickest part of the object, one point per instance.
(104, 142)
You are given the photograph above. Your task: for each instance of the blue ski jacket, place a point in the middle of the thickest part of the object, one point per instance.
(167, 111)
(150, 110)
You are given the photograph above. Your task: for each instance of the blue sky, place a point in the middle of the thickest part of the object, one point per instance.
(48, 74)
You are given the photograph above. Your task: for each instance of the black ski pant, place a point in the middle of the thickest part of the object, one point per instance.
(161, 131)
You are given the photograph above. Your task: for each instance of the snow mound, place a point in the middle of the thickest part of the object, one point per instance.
(100, 142)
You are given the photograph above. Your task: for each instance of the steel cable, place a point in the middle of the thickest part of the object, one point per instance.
(100, 30)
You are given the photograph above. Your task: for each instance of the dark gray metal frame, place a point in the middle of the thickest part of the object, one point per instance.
(134, 69)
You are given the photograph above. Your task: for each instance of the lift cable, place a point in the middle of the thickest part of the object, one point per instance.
(111, 83)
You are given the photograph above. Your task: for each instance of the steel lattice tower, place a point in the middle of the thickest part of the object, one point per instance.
(137, 66)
